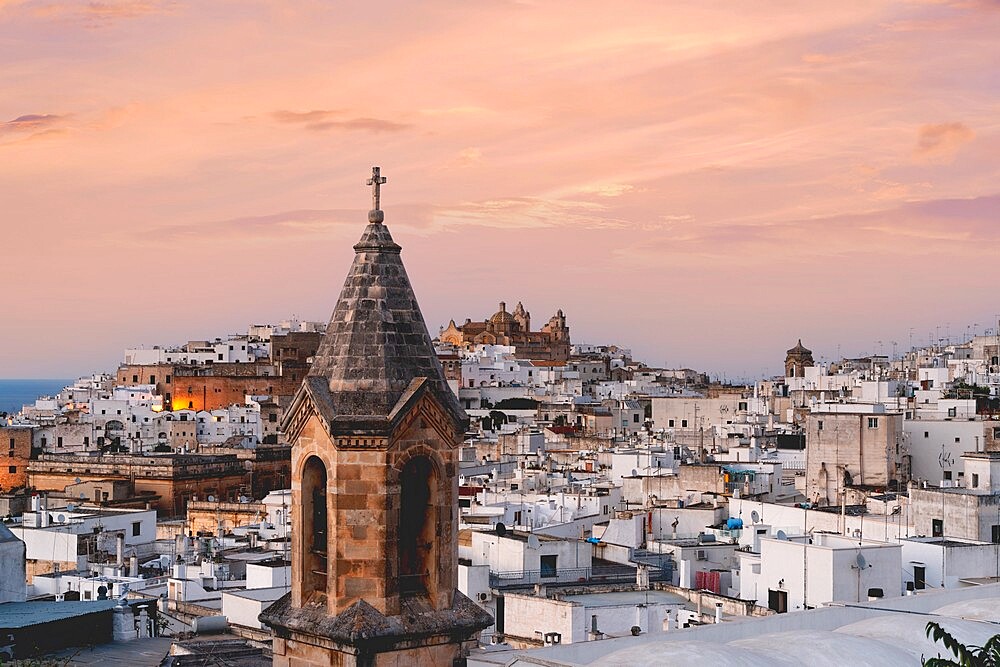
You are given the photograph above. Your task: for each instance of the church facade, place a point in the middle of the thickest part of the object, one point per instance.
(551, 342)
(375, 433)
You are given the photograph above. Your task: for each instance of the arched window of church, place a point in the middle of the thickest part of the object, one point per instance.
(416, 526)
(315, 523)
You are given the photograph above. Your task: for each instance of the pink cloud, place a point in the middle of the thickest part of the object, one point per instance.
(939, 143)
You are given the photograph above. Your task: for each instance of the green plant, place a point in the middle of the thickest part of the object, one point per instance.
(987, 655)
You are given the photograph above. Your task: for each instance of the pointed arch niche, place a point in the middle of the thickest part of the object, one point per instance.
(315, 527)
(417, 545)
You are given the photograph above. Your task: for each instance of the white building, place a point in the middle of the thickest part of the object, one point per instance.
(12, 561)
(529, 557)
(792, 573)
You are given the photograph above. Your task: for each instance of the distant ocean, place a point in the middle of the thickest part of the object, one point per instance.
(14, 394)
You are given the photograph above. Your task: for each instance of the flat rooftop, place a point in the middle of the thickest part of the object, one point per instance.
(25, 614)
(625, 598)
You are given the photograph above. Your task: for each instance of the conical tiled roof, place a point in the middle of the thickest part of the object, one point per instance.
(376, 343)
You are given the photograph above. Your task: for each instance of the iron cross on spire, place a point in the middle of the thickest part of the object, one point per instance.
(376, 182)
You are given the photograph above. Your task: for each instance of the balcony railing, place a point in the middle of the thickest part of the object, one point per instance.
(568, 575)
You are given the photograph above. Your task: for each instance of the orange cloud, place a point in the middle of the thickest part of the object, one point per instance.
(325, 119)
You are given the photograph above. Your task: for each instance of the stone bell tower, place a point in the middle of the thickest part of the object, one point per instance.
(374, 432)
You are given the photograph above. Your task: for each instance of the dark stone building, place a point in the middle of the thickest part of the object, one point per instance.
(797, 359)
(375, 433)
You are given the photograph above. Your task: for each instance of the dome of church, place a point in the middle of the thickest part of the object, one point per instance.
(502, 316)
(799, 349)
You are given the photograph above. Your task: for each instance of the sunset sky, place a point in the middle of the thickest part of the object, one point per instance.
(704, 182)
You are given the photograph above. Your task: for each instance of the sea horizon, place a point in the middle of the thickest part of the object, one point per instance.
(17, 392)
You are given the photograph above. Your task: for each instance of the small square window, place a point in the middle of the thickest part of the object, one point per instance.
(873, 422)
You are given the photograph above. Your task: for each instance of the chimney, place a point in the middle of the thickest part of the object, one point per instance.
(120, 550)
(594, 634)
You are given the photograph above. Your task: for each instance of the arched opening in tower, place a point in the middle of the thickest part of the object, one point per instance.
(315, 525)
(416, 526)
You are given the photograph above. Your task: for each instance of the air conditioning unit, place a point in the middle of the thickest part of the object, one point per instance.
(483, 597)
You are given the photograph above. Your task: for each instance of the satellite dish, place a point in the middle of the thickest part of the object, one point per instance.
(211, 499)
(861, 561)
(61, 518)
(781, 535)
(533, 542)
(244, 499)
(754, 517)
(77, 480)
(501, 529)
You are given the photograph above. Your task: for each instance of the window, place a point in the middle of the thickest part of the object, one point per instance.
(547, 565)
(957, 439)
(167, 379)
(86, 440)
(273, 417)
(152, 379)
(135, 379)
(927, 434)
(919, 577)
(819, 425)
(975, 480)
(59, 442)
(635, 418)
(670, 423)
(995, 534)
(742, 406)
(952, 412)
(684, 423)
(873, 422)
(937, 527)
(12, 443)
(136, 528)
(12, 469)
(947, 474)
